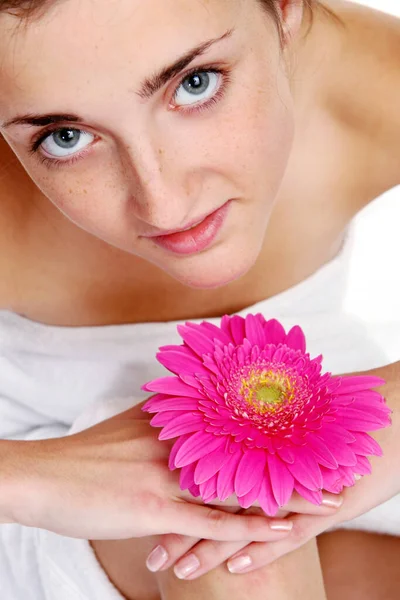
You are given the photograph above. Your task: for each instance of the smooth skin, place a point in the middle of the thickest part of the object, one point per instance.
(302, 146)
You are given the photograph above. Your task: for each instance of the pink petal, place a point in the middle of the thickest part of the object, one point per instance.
(208, 489)
(377, 409)
(306, 470)
(192, 380)
(255, 331)
(174, 450)
(366, 445)
(181, 363)
(357, 420)
(286, 454)
(332, 480)
(266, 497)
(196, 340)
(238, 329)
(225, 324)
(211, 364)
(335, 430)
(195, 491)
(172, 386)
(363, 466)
(342, 452)
(243, 433)
(313, 497)
(347, 476)
(153, 399)
(343, 400)
(169, 347)
(172, 404)
(186, 478)
(186, 423)
(197, 446)
(251, 497)
(280, 354)
(274, 332)
(249, 471)
(369, 396)
(209, 465)
(359, 383)
(226, 476)
(322, 453)
(215, 332)
(296, 339)
(281, 480)
(164, 418)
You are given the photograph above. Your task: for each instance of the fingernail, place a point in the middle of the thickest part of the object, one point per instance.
(157, 559)
(186, 566)
(283, 526)
(357, 477)
(332, 502)
(239, 563)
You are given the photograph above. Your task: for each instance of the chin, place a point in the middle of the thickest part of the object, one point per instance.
(212, 270)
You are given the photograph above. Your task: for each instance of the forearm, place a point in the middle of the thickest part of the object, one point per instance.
(296, 575)
(12, 466)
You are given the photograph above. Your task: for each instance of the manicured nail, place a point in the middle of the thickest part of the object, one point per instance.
(239, 563)
(284, 526)
(187, 566)
(157, 559)
(332, 502)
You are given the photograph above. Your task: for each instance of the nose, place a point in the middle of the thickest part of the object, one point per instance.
(164, 185)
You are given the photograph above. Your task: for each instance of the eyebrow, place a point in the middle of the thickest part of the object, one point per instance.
(158, 80)
(149, 87)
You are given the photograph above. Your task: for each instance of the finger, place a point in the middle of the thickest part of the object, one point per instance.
(214, 524)
(196, 557)
(172, 546)
(208, 555)
(330, 503)
(297, 504)
(258, 555)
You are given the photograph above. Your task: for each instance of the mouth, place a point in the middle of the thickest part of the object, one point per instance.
(197, 236)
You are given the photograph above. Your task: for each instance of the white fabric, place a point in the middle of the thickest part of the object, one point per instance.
(53, 378)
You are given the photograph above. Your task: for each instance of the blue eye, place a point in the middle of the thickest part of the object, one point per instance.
(197, 87)
(66, 142)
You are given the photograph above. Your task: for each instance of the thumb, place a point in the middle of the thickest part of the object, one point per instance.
(214, 524)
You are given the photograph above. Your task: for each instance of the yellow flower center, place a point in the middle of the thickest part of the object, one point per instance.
(267, 391)
(269, 394)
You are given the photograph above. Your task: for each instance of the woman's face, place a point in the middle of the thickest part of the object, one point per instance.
(133, 149)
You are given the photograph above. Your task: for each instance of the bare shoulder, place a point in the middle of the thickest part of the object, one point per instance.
(368, 97)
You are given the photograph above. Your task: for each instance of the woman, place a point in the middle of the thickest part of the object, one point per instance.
(162, 161)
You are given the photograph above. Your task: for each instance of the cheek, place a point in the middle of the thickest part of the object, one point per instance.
(249, 140)
(92, 202)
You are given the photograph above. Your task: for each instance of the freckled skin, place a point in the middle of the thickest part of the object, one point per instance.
(162, 167)
(264, 144)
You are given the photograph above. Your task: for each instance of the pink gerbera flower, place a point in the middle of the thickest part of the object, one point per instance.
(253, 415)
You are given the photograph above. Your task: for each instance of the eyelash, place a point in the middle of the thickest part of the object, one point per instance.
(208, 104)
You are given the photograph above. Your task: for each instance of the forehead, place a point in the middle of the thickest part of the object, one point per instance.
(78, 42)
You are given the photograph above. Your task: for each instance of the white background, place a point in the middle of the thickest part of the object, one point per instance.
(373, 292)
(390, 6)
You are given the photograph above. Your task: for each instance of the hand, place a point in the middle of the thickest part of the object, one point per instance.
(204, 556)
(111, 482)
(193, 557)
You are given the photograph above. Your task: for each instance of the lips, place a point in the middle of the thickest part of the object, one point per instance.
(196, 237)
